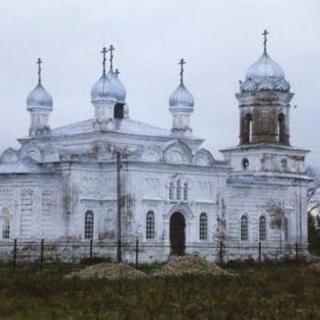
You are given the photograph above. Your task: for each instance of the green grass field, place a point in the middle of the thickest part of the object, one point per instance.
(270, 291)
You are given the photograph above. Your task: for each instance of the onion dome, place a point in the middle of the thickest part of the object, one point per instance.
(265, 74)
(265, 68)
(39, 98)
(181, 97)
(108, 87)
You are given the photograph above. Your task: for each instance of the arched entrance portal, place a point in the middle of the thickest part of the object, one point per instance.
(177, 233)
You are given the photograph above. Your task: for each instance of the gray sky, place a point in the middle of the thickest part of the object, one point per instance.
(219, 39)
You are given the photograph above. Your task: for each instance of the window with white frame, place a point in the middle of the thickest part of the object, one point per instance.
(89, 225)
(262, 228)
(178, 189)
(244, 228)
(185, 191)
(203, 226)
(150, 225)
(171, 191)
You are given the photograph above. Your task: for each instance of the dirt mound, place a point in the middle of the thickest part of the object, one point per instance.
(315, 266)
(190, 265)
(109, 271)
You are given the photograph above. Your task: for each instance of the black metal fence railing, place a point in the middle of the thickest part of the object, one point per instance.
(136, 252)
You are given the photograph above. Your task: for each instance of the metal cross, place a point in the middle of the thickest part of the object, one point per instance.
(39, 61)
(111, 49)
(181, 62)
(265, 39)
(117, 72)
(104, 51)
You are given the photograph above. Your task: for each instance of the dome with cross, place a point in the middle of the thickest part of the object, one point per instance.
(108, 87)
(181, 97)
(39, 98)
(265, 74)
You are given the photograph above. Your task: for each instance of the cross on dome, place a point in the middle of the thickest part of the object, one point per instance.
(111, 49)
(181, 63)
(104, 51)
(265, 39)
(39, 61)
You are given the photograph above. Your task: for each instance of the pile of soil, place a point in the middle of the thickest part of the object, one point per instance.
(191, 265)
(315, 266)
(109, 271)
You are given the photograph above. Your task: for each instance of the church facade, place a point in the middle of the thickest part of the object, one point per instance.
(111, 177)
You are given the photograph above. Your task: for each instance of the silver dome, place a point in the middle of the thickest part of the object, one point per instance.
(39, 98)
(108, 87)
(264, 75)
(265, 67)
(181, 97)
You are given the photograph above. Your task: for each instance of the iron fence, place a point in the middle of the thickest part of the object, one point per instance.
(141, 252)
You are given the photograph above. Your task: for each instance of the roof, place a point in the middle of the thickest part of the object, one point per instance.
(128, 126)
(24, 166)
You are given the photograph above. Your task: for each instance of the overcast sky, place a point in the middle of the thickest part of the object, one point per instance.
(218, 39)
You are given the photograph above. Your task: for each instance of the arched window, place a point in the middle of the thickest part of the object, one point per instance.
(245, 163)
(150, 225)
(118, 111)
(286, 228)
(262, 228)
(281, 128)
(171, 191)
(6, 228)
(244, 228)
(185, 191)
(5, 223)
(88, 225)
(247, 129)
(178, 189)
(203, 226)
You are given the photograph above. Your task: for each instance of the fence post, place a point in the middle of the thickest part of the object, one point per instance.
(41, 253)
(137, 253)
(221, 252)
(14, 252)
(91, 249)
(259, 251)
(297, 252)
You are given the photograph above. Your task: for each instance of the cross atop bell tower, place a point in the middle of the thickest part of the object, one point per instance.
(39, 61)
(265, 40)
(181, 63)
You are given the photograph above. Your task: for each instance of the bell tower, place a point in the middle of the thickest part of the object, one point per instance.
(264, 103)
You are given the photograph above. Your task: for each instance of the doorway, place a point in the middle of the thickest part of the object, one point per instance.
(177, 234)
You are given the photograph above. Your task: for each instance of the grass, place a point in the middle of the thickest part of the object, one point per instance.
(267, 291)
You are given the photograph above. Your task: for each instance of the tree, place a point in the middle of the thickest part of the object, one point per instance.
(313, 196)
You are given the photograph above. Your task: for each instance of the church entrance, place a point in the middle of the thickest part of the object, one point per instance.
(177, 234)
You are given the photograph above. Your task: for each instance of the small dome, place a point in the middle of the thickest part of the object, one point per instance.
(265, 67)
(181, 97)
(108, 87)
(39, 98)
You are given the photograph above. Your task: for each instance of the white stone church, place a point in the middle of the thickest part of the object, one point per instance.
(75, 181)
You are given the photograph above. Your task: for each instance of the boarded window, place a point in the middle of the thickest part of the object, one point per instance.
(89, 225)
(150, 225)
